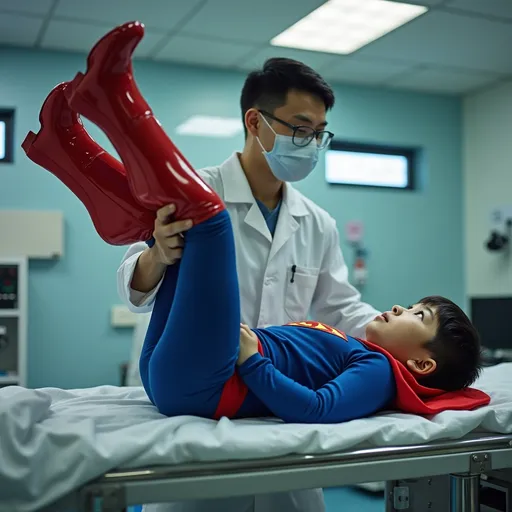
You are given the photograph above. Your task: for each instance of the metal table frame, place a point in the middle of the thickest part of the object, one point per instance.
(465, 460)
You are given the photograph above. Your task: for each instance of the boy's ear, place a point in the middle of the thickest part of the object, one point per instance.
(422, 367)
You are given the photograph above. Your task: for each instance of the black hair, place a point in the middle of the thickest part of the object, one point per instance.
(267, 88)
(455, 347)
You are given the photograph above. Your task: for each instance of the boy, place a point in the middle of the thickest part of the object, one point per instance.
(304, 372)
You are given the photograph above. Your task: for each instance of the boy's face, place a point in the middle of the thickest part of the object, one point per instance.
(403, 333)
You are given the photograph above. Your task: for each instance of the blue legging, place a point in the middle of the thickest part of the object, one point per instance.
(191, 346)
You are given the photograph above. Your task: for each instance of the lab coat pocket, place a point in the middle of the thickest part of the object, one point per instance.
(300, 287)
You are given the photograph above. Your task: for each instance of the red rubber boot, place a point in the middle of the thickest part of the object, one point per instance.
(108, 96)
(63, 147)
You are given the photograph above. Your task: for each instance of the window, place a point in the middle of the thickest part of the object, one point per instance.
(6, 135)
(370, 165)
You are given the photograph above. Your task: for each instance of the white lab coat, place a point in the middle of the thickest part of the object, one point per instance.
(305, 238)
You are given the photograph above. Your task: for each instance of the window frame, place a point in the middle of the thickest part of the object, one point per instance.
(409, 153)
(7, 116)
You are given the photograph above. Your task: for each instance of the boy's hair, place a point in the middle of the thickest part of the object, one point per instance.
(267, 88)
(455, 347)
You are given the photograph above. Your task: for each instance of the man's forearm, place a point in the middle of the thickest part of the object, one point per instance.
(148, 272)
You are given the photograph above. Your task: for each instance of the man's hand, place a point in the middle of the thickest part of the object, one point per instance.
(167, 250)
(248, 344)
(168, 236)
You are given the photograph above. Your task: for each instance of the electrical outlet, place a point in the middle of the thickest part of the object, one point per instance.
(121, 316)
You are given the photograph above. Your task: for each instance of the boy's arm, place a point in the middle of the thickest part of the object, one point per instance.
(365, 387)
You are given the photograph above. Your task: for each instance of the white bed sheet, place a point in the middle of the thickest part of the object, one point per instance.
(53, 441)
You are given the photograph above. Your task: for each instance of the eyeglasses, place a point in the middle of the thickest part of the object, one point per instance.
(303, 135)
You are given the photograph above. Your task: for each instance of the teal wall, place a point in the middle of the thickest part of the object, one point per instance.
(414, 238)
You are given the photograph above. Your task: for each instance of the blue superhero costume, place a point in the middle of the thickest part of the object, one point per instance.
(305, 372)
(302, 374)
(311, 373)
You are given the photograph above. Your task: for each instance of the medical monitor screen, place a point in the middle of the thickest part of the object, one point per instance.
(491, 317)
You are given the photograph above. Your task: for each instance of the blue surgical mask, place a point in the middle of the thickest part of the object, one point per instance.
(289, 162)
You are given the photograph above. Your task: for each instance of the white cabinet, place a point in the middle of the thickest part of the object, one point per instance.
(35, 234)
(13, 321)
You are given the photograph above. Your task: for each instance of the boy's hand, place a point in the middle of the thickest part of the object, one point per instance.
(248, 344)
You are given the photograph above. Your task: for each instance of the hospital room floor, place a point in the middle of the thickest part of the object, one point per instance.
(347, 499)
(343, 499)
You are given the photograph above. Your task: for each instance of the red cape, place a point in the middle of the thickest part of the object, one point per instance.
(412, 397)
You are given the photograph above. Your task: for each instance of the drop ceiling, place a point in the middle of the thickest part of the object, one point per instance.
(457, 47)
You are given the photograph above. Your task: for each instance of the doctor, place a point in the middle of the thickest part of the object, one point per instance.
(289, 259)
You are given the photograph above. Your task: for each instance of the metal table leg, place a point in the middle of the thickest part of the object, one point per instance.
(464, 493)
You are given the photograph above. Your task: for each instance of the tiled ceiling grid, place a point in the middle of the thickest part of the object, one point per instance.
(456, 47)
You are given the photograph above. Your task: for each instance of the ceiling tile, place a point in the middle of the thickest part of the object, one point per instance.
(81, 37)
(192, 50)
(444, 80)
(162, 14)
(363, 71)
(241, 20)
(19, 30)
(499, 8)
(36, 7)
(312, 59)
(449, 40)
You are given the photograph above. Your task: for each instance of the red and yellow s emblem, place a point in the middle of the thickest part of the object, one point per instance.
(320, 327)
